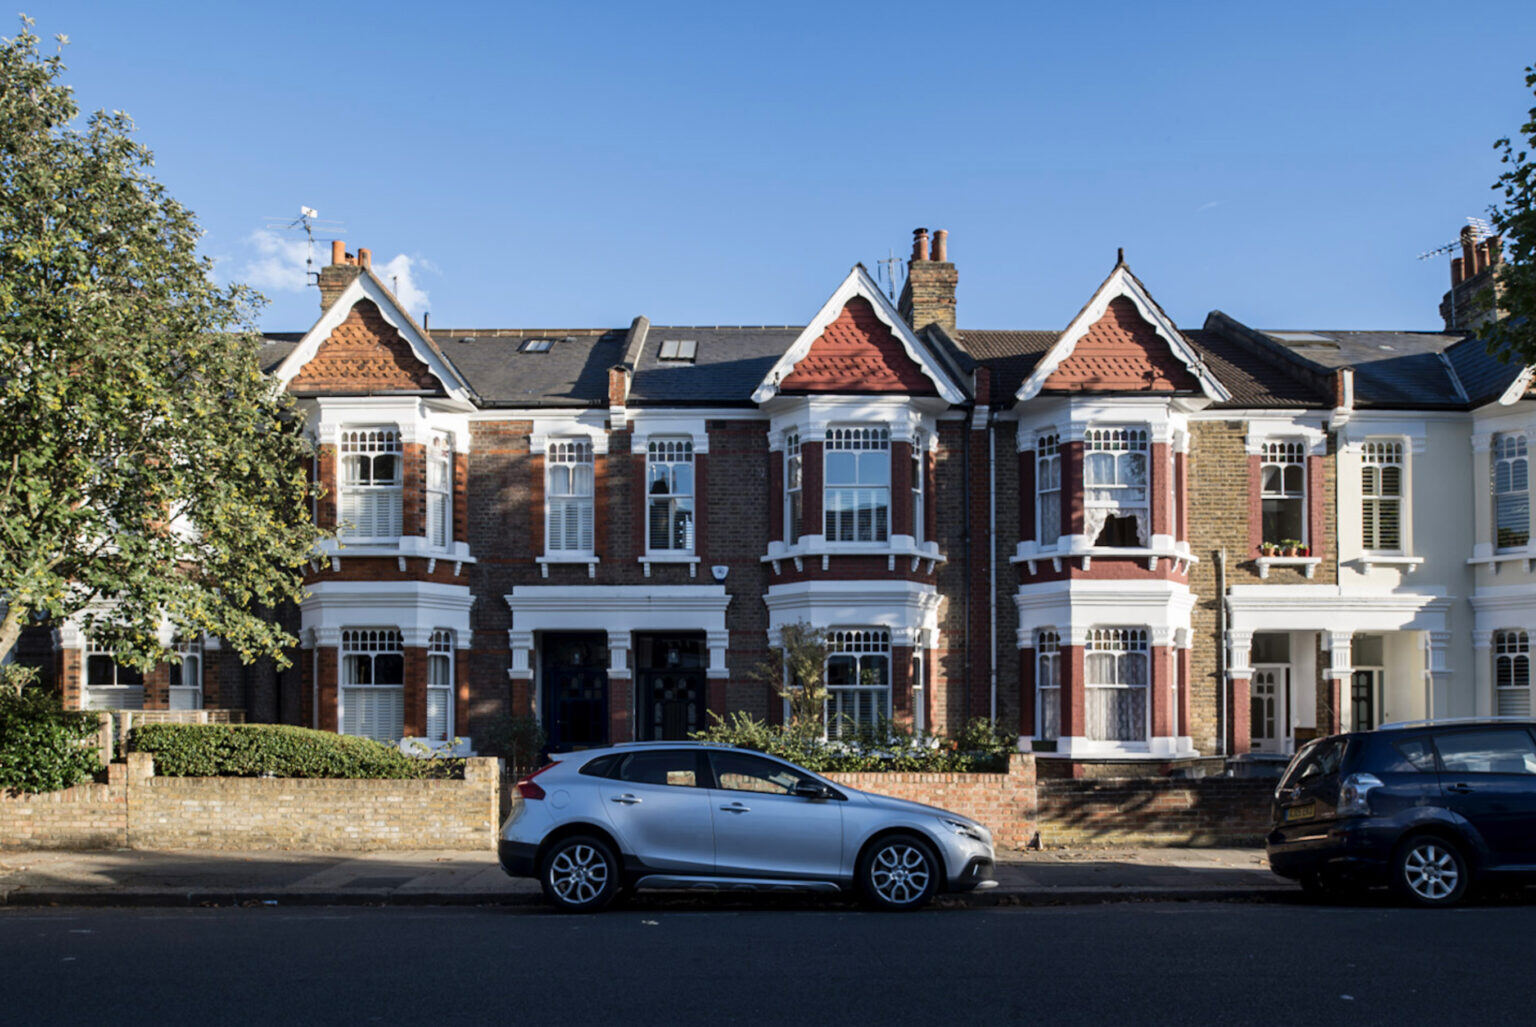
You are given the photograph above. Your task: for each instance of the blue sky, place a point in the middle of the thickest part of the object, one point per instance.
(576, 164)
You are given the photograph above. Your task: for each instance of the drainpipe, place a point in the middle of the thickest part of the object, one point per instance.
(1221, 652)
(992, 554)
(965, 550)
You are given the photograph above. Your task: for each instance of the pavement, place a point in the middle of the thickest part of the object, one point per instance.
(123, 877)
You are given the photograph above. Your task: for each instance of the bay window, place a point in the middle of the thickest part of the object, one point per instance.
(1047, 685)
(110, 685)
(857, 490)
(187, 677)
(1117, 683)
(858, 681)
(1048, 489)
(1115, 486)
(1381, 491)
(919, 447)
(1283, 492)
(440, 686)
(1511, 492)
(372, 683)
(669, 495)
(440, 491)
(792, 482)
(1512, 673)
(371, 484)
(568, 496)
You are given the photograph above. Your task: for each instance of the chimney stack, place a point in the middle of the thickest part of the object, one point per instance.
(343, 267)
(1473, 274)
(929, 295)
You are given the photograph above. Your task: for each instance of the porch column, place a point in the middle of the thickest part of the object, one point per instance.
(718, 674)
(1482, 672)
(1239, 679)
(1340, 668)
(621, 692)
(69, 665)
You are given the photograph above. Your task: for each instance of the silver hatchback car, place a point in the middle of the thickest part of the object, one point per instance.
(689, 815)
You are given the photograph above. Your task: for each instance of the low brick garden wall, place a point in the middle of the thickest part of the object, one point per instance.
(137, 810)
(1005, 803)
(1154, 811)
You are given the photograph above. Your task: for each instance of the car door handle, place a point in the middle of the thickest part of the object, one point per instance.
(736, 807)
(1460, 788)
(627, 799)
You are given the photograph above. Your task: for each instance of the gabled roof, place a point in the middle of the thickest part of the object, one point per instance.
(858, 285)
(573, 371)
(366, 286)
(1122, 284)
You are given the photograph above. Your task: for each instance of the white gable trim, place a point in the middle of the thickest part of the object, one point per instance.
(1518, 388)
(366, 286)
(1122, 283)
(858, 283)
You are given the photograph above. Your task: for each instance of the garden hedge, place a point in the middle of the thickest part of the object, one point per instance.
(44, 747)
(277, 750)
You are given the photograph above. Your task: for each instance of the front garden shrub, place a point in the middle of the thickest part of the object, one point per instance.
(277, 750)
(980, 746)
(44, 747)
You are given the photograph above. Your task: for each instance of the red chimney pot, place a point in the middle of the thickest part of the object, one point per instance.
(919, 244)
(941, 245)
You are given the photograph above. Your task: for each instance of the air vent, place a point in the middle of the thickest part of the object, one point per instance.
(680, 350)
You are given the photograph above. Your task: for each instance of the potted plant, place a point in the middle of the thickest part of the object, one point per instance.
(1303, 550)
(1269, 548)
(1288, 546)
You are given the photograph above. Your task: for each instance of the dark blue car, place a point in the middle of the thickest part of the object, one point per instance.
(1426, 808)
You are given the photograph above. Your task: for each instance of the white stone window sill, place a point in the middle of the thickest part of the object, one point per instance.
(900, 547)
(1178, 553)
(333, 549)
(676, 558)
(1308, 564)
(571, 558)
(1407, 564)
(1509, 556)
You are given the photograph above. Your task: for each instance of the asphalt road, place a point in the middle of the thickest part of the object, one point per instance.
(1126, 963)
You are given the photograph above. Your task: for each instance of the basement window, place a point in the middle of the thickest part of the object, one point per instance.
(538, 345)
(680, 350)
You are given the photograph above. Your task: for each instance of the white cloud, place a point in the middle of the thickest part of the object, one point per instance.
(278, 264)
(399, 274)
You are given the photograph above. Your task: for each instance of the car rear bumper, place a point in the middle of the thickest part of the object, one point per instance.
(518, 858)
(1357, 849)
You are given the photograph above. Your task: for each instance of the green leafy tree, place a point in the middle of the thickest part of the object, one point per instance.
(148, 469)
(1515, 218)
(797, 671)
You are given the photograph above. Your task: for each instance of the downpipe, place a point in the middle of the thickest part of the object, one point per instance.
(992, 555)
(1221, 652)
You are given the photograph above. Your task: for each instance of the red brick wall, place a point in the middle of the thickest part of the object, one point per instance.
(857, 353)
(364, 353)
(1153, 811)
(1005, 803)
(1121, 352)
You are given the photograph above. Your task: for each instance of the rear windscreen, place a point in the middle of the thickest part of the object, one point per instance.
(1319, 759)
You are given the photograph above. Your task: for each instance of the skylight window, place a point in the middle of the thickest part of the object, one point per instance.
(681, 350)
(538, 345)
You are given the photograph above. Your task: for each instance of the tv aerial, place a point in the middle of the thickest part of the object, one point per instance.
(889, 266)
(308, 221)
(1480, 229)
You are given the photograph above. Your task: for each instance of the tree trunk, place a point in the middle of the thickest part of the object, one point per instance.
(10, 632)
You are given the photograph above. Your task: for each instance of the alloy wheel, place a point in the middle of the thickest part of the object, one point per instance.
(900, 873)
(578, 874)
(1431, 872)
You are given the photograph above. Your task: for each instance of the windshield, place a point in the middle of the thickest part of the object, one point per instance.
(1319, 759)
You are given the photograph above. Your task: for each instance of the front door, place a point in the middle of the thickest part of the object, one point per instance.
(574, 673)
(670, 686)
(1270, 703)
(1364, 691)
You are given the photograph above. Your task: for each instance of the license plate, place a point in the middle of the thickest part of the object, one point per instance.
(1302, 812)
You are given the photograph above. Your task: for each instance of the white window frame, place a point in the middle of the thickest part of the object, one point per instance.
(1511, 491)
(1047, 684)
(362, 647)
(1123, 443)
(1122, 649)
(794, 482)
(664, 456)
(865, 646)
(919, 453)
(1281, 455)
(568, 512)
(370, 510)
(117, 695)
(188, 667)
(1048, 489)
(1377, 455)
(440, 684)
(1512, 664)
(440, 490)
(840, 519)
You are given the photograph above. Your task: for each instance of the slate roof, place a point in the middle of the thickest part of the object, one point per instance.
(1255, 379)
(1010, 355)
(1484, 375)
(1413, 370)
(275, 347)
(574, 372)
(730, 363)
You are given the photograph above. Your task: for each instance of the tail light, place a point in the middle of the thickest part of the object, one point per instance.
(1354, 794)
(528, 788)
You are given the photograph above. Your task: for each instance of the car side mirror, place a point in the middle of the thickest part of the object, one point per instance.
(812, 790)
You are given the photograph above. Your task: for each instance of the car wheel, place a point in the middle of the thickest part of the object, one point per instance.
(1430, 871)
(580, 874)
(899, 872)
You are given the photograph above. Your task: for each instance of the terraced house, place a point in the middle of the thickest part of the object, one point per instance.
(1142, 544)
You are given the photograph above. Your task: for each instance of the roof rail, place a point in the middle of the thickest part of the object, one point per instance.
(1440, 721)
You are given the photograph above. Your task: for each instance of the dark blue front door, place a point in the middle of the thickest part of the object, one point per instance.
(574, 674)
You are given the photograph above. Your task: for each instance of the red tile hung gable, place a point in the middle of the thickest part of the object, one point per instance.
(858, 353)
(1121, 353)
(364, 353)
